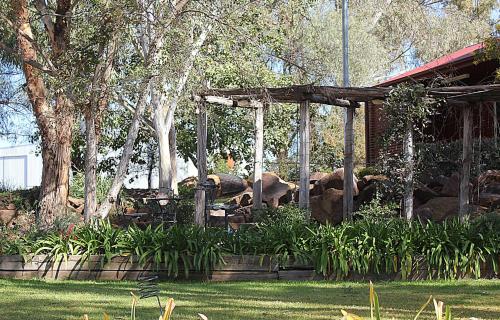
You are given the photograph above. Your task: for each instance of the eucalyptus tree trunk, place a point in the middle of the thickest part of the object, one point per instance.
(90, 168)
(93, 117)
(151, 33)
(128, 148)
(54, 116)
(164, 107)
(165, 171)
(410, 166)
(172, 140)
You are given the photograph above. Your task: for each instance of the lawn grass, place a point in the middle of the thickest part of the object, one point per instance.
(44, 300)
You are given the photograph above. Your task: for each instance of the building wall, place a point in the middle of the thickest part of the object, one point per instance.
(20, 167)
(447, 124)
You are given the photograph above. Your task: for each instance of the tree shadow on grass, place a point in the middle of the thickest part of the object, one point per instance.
(243, 300)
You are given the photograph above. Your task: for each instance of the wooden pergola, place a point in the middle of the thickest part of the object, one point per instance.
(465, 97)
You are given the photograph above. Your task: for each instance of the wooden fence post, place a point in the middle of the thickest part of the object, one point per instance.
(464, 197)
(305, 130)
(408, 156)
(348, 164)
(201, 159)
(259, 154)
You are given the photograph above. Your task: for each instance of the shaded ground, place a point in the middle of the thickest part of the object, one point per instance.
(245, 300)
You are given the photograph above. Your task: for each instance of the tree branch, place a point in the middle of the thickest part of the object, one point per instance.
(41, 6)
(32, 63)
(28, 36)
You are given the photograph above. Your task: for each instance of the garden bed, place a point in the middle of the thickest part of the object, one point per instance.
(244, 267)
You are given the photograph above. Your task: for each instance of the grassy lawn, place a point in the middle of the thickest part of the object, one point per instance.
(46, 300)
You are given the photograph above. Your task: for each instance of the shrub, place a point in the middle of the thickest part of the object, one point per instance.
(185, 207)
(452, 249)
(367, 171)
(77, 186)
(375, 209)
(444, 158)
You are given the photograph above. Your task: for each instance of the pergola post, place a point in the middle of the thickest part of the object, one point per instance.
(259, 153)
(201, 159)
(305, 131)
(464, 196)
(495, 123)
(408, 156)
(348, 163)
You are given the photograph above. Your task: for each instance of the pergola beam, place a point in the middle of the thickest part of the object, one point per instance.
(346, 96)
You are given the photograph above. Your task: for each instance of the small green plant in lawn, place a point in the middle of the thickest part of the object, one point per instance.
(375, 309)
(165, 315)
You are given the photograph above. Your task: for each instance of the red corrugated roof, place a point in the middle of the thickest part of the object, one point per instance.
(460, 55)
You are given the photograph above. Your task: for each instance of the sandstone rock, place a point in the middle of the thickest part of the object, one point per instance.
(189, 182)
(7, 216)
(75, 202)
(423, 193)
(276, 191)
(80, 209)
(374, 178)
(367, 194)
(451, 185)
(369, 190)
(438, 209)
(327, 207)
(490, 177)
(333, 180)
(243, 199)
(228, 184)
(315, 176)
(489, 200)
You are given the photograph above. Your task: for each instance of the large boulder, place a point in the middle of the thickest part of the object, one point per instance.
(275, 191)
(423, 194)
(243, 199)
(189, 182)
(315, 176)
(438, 209)
(488, 189)
(227, 184)
(333, 180)
(327, 207)
(451, 185)
(489, 200)
(368, 187)
(7, 215)
(489, 179)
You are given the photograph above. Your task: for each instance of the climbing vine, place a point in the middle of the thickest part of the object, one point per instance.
(407, 108)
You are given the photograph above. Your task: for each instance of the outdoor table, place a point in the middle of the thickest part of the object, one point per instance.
(167, 207)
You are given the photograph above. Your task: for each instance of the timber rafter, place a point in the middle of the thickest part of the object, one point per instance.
(340, 96)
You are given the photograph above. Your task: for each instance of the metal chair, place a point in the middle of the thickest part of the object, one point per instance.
(210, 197)
(148, 288)
(167, 207)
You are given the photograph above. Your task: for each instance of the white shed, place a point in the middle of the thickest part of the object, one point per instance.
(20, 167)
